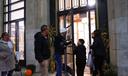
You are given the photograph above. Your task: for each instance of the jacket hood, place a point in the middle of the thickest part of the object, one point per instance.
(37, 35)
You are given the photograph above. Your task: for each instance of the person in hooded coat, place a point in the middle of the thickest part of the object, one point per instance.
(7, 57)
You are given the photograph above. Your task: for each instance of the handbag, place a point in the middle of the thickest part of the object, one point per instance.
(89, 60)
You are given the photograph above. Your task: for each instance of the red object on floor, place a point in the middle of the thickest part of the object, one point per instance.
(28, 72)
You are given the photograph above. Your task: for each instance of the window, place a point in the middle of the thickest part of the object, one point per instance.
(6, 2)
(14, 23)
(17, 5)
(68, 4)
(83, 2)
(61, 5)
(12, 1)
(17, 14)
(61, 22)
(78, 17)
(75, 3)
(91, 2)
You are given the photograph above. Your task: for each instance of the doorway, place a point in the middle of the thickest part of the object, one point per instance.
(83, 25)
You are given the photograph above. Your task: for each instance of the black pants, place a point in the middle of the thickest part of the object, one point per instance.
(5, 73)
(80, 68)
(98, 64)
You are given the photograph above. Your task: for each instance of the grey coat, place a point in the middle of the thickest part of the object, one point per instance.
(7, 59)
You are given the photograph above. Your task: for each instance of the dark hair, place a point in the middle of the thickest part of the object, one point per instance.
(43, 28)
(4, 34)
(97, 33)
(82, 41)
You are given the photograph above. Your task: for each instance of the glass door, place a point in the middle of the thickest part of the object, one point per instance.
(83, 25)
(81, 29)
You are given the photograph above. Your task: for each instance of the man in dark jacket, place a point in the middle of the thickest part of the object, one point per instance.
(60, 45)
(98, 52)
(42, 50)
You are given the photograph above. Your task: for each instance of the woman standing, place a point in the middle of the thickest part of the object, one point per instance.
(7, 62)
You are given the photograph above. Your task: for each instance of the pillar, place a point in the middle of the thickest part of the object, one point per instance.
(37, 14)
(118, 31)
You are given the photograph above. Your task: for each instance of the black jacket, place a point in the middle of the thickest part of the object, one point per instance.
(60, 44)
(80, 52)
(41, 47)
(98, 48)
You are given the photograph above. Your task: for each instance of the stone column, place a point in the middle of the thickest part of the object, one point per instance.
(118, 30)
(37, 14)
(1, 16)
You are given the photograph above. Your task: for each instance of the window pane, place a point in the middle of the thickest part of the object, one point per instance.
(6, 2)
(68, 20)
(93, 23)
(68, 4)
(17, 14)
(5, 17)
(6, 27)
(69, 29)
(14, 1)
(83, 2)
(92, 15)
(21, 39)
(91, 2)
(6, 9)
(13, 31)
(17, 5)
(75, 3)
(61, 22)
(61, 5)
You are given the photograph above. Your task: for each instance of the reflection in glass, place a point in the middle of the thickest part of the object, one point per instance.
(68, 4)
(17, 14)
(61, 5)
(17, 5)
(21, 40)
(91, 2)
(83, 2)
(75, 3)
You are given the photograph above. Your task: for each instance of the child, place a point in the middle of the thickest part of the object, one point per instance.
(80, 52)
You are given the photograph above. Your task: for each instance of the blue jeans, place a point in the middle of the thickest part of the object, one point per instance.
(58, 64)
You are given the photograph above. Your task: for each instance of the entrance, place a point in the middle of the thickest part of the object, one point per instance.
(83, 25)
